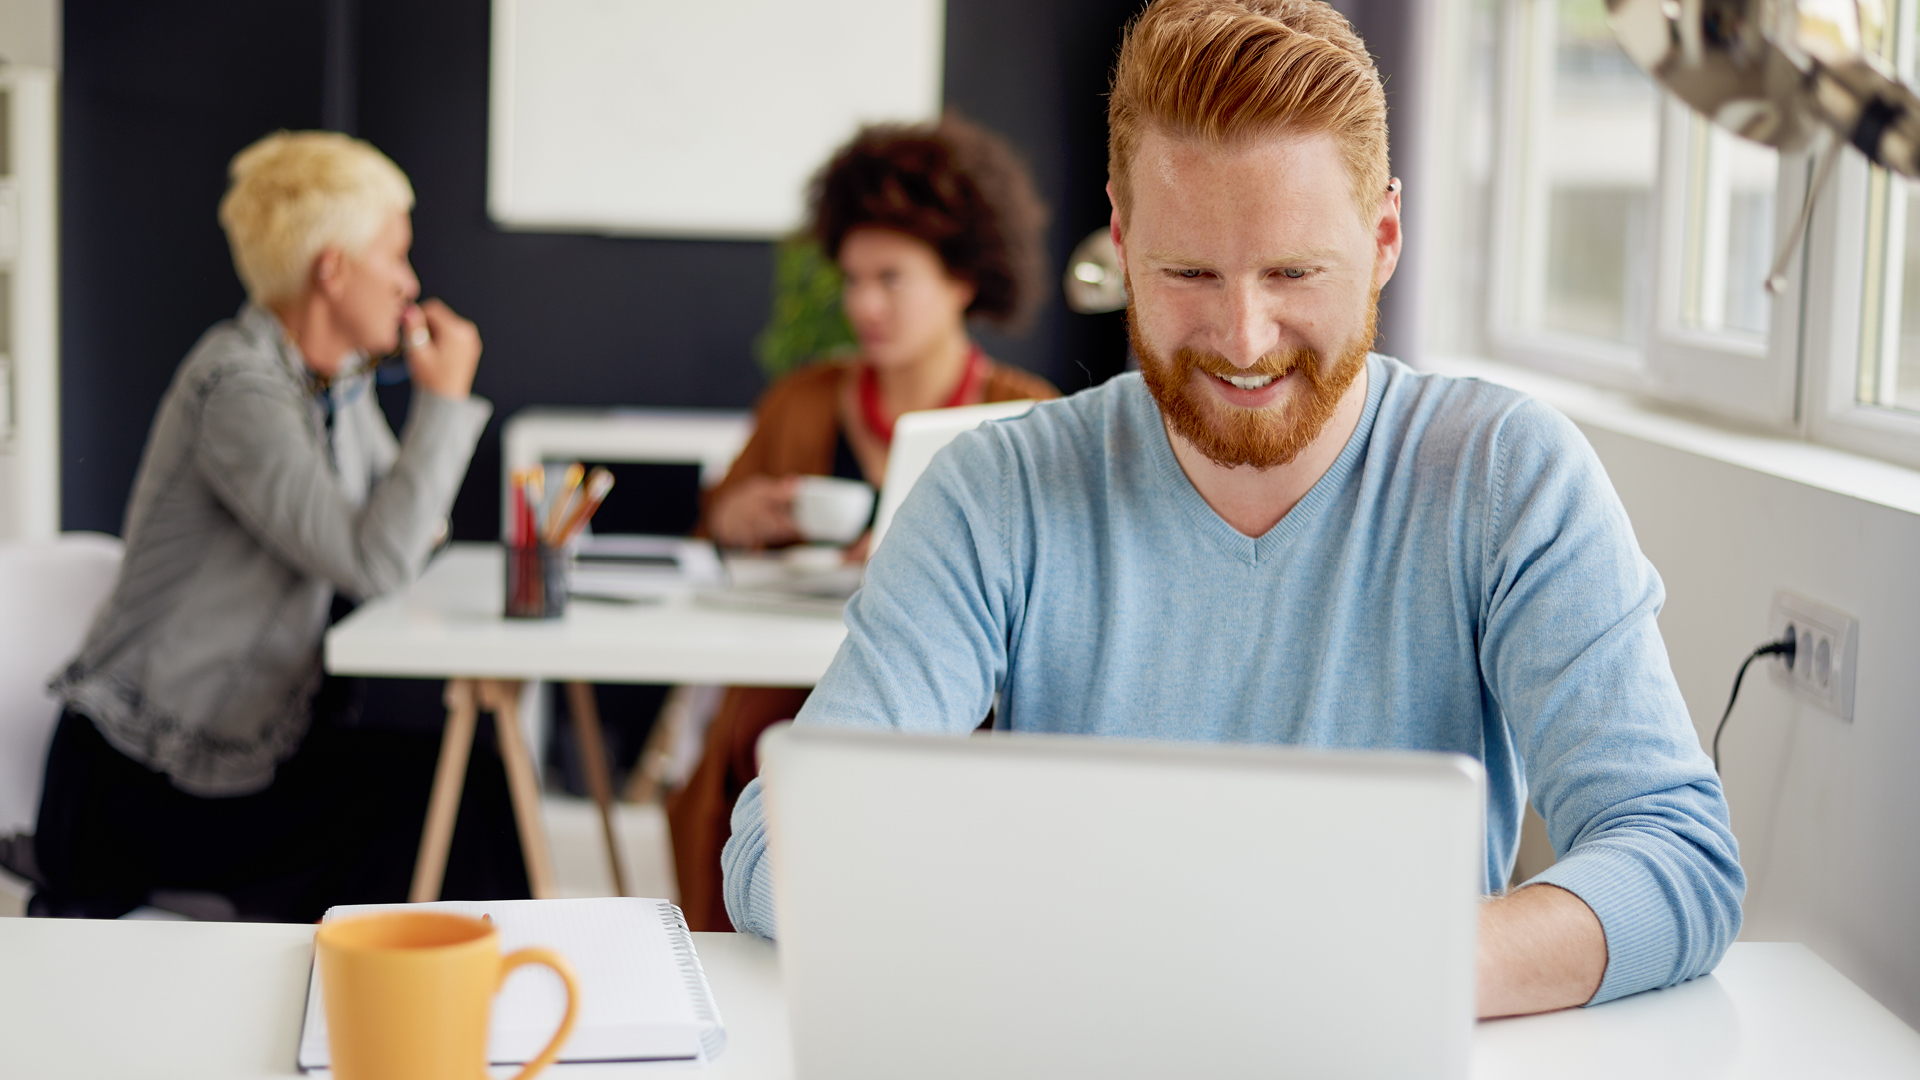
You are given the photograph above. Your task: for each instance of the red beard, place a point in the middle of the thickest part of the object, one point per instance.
(1263, 438)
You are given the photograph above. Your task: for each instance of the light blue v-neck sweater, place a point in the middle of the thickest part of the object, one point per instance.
(1463, 578)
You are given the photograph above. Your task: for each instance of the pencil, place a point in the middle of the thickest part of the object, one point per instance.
(557, 513)
(598, 485)
(517, 535)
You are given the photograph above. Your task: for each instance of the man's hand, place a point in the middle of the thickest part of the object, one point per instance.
(443, 350)
(756, 514)
(1541, 948)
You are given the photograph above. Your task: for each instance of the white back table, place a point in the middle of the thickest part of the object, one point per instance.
(224, 1001)
(448, 625)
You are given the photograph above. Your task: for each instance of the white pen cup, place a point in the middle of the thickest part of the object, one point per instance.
(830, 510)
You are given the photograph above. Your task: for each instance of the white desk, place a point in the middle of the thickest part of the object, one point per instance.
(224, 1001)
(448, 625)
(215, 1001)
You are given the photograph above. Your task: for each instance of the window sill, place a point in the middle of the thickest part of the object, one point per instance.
(1867, 479)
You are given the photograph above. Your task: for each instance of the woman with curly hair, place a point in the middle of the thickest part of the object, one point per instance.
(932, 225)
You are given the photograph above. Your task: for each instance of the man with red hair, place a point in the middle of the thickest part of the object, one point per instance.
(1273, 535)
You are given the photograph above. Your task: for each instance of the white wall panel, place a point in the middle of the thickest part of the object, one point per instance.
(661, 117)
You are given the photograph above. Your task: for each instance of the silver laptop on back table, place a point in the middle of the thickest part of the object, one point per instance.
(1043, 906)
(917, 436)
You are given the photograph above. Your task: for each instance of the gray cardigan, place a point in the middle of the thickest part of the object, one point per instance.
(242, 524)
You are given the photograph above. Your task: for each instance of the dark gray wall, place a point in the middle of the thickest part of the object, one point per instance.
(1393, 32)
(156, 97)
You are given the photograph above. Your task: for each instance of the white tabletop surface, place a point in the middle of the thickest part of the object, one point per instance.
(223, 1001)
(449, 624)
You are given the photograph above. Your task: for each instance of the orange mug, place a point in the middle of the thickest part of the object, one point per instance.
(408, 995)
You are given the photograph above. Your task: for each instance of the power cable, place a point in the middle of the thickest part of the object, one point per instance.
(1786, 646)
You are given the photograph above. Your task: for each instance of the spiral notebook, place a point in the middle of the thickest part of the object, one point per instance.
(643, 995)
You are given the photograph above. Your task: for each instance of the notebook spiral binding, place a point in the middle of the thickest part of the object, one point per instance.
(714, 1039)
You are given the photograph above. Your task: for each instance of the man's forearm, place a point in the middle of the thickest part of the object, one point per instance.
(1541, 948)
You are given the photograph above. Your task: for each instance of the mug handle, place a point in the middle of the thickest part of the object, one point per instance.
(561, 968)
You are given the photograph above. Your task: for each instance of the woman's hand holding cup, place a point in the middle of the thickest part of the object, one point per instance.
(756, 514)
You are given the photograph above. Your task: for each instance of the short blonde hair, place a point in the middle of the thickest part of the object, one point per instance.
(296, 193)
(1222, 71)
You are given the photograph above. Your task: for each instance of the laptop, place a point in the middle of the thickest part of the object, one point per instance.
(1051, 906)
(630, 568)
(917, 436)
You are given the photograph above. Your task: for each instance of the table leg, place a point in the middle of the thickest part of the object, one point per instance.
(502, 698)
(593, 761)
(649, 773)
(449, 777)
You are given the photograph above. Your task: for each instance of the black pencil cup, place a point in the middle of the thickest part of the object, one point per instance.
(536, 582)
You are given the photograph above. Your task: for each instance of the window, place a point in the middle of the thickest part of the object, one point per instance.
(1889, 361)
(1579, 152)
(1730, 184)
(1590, 224)
(1862, 358)
(1586, 160)
(1889, 339)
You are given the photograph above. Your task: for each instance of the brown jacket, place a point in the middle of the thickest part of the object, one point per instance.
(797, 422)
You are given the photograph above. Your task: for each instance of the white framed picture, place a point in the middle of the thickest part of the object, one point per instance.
(664, 118)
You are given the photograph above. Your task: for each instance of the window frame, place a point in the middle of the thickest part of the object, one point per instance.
(1518, 130)
(1724, 374)
(1754, 381)
(1838, 243)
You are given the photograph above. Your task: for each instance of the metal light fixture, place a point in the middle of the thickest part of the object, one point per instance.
(1780, 72)
(1093, 282)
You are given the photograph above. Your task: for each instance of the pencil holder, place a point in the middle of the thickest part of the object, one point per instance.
(536, 582)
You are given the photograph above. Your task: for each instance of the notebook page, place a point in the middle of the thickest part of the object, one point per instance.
(642, 996)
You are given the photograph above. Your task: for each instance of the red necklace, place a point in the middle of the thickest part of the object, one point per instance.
(877, 422)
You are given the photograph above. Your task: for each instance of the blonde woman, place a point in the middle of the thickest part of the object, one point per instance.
(201, 748)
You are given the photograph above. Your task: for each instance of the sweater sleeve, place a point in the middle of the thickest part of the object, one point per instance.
(1571, 649)
(927, 638)
(254, 451)
(382, 449)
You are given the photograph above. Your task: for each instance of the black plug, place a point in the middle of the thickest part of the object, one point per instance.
(1786, 648)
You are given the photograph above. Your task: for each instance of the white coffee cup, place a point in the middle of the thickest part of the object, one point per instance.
(829, 509)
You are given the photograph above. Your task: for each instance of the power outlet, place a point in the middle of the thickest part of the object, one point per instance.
(1823, 663)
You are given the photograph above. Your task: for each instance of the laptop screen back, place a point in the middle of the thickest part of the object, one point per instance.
(917, 436)
(1042, 906)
